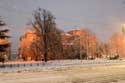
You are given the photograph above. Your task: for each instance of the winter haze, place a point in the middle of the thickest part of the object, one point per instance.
(103, 17)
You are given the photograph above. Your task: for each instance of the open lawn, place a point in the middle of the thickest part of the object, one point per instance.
(74, 74)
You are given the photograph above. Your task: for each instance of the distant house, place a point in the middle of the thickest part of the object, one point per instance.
(71, 41)
(28, 49)
(80, 40)
(66, 39)
(87, 40)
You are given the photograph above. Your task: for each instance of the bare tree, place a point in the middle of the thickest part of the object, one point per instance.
(45, 27)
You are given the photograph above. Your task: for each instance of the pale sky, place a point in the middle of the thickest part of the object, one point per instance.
(103, 17)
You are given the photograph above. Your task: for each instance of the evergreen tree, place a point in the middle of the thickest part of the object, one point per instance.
(4, 43)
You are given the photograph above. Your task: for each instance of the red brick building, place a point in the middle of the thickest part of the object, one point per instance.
(27, 47)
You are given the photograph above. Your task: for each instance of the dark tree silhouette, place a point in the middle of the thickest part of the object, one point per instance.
(50, 39)
(5, 44)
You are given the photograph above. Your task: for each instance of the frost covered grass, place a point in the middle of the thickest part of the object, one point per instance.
(69, 74)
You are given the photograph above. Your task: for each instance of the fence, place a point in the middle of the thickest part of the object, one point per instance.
(10, 66)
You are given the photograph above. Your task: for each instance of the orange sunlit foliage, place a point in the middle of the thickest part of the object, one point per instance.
(66, 40)
(83, 41)
(117, 45)
(79, 41)
(88, 41)
(26, 51)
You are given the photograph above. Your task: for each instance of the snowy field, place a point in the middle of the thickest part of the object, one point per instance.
(28, 65)
(65, 71)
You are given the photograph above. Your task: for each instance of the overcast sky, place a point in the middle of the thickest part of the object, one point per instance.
(101, 16)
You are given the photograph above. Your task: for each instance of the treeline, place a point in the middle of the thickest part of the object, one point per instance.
(50, 43)
(45, 41)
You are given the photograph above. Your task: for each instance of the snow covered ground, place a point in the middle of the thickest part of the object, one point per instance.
(67, 71)
(29, 65)
(74, 74)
